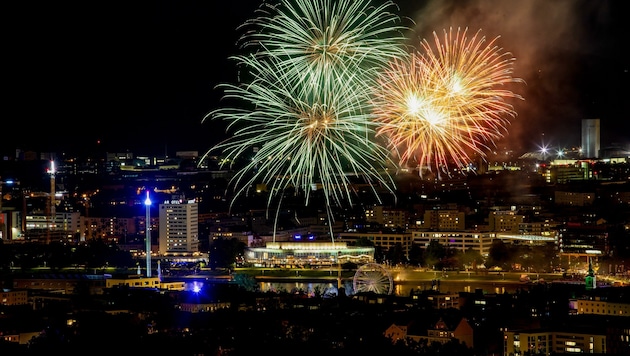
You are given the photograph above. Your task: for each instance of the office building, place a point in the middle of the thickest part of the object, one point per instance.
(386, 240)
(456, 239)
(179, 228)
(590, 138)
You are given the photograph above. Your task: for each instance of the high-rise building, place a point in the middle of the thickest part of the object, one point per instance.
(179, 228)
(590, 138)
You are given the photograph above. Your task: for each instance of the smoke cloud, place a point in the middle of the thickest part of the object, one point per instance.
(557, 45)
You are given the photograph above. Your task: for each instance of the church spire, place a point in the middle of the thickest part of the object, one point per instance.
(589, 280)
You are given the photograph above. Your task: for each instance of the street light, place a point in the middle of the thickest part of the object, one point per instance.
(147, 229)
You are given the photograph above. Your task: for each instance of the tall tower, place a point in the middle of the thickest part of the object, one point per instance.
(147, 233)
(590, 138)
(179, 227)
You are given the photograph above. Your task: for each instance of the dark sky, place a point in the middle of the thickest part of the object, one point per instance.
(140, 75)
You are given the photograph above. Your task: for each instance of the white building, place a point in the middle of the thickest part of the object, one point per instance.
(179, 228)
(459, 240)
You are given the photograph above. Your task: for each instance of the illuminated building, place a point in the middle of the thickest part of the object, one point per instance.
(179, 228)
(293, 253)
(601, 306)
(387, 240)
(13, 297)
(444, 219)
(388, 217)
(460, 240)
(565, 339)
(574, 198)
(504, 221)
(590, 138)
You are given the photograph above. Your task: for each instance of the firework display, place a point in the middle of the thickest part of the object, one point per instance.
(305, 135)
(445, 102)
(323, 39)
(328, 92)
(300, 115)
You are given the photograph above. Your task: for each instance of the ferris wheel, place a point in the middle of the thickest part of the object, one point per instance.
(373, 277)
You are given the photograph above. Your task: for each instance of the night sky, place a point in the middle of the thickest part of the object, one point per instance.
(141, 75)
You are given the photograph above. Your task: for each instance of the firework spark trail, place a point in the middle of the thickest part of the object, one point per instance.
(325, 38)
(305, 103)
(305, 135)
(440, 106)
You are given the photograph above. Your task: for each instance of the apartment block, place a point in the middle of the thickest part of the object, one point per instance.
(179, 227)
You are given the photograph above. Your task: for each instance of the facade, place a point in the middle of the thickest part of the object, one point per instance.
(555, 341)
(144, 282)
(459, 240)
(11, 225)
(21, 338)
(539, 228)
(133, 282)
(204, 307)
(574, 198)
(583, 240)
(69, 223)
(599, 306)
(179, 228)
(386, 240)
(444, 301)
(13, 297)
(590, 138)
(443, 333)
(388, 217)
(307, 253)
(103, 227)
(504, 221)
(444, 220)
(562, 174)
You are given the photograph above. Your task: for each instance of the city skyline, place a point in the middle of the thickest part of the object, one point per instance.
(142, 77)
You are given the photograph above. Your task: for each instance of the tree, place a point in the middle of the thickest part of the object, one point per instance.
(499, 254)
(246, 282)
(364, 241)
(415, 255)
(396, 254)
(223, 252)
(471, 257)
(433, 253)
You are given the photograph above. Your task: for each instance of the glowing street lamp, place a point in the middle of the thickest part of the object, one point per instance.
(147, 229)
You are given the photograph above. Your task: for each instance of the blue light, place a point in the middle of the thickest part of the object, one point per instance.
(196, 287)
(147, 201)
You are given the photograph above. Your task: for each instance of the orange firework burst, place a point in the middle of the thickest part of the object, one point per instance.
(439, 107)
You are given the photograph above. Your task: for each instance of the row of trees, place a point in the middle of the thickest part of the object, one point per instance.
(96, 253)
(440, 257)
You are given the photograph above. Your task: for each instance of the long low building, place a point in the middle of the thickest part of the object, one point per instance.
(290, 253)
